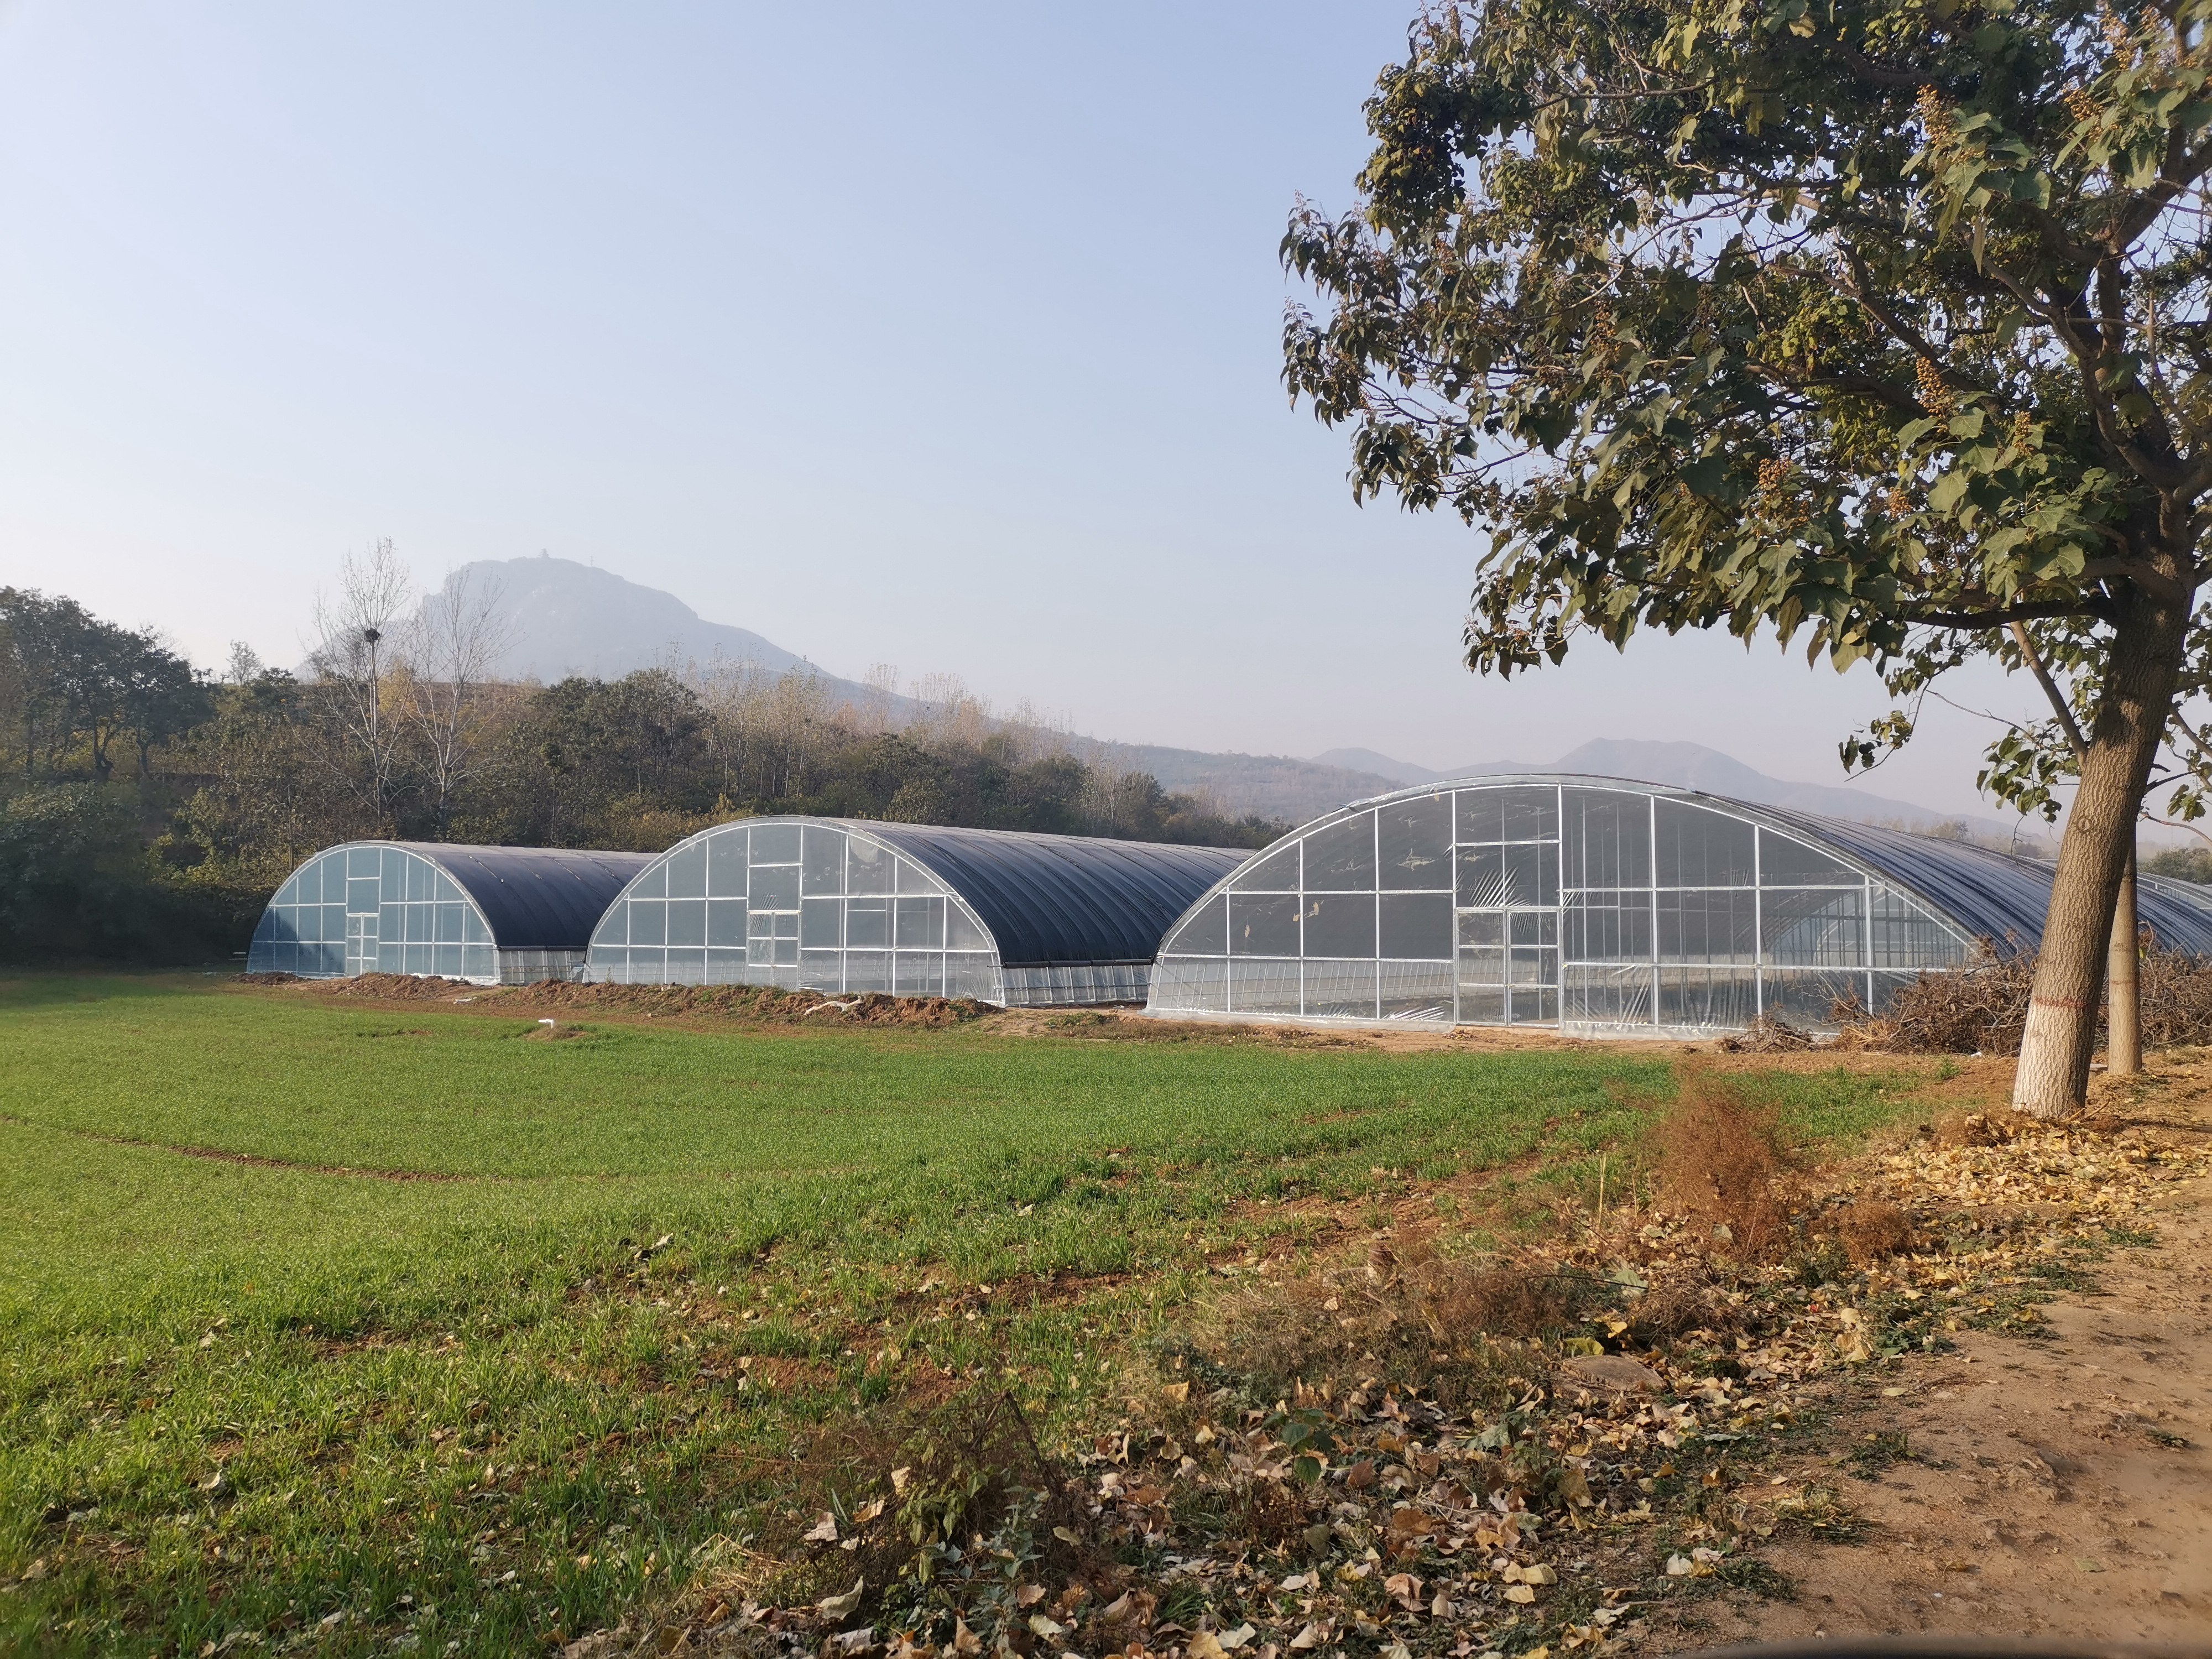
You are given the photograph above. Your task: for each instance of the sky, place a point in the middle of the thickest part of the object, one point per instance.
(942, 336)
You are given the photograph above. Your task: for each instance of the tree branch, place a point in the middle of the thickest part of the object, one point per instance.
(2058, 703)
(1978, 620)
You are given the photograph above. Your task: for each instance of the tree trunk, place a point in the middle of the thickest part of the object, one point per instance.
(2052, 1081)
(2122, 1008)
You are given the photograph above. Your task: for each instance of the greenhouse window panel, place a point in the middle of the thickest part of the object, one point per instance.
(490, 914)
(844, 906)
(1602, 905)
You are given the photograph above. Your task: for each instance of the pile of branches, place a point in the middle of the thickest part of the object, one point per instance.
(1984, 1009)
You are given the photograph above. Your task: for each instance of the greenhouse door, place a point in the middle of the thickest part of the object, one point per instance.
(361, 910)
(1508, 966)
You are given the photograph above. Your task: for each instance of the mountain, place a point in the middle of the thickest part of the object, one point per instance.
(569, 618)
(1273, 786)
(1366, 761)
(1694, 766)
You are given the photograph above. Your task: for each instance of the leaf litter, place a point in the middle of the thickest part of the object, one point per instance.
(1458, 1456)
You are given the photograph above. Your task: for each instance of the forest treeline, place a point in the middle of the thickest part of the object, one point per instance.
(147, 809)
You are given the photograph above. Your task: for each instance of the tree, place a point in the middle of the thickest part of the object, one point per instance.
(52, 651)
(1880, 325)
(450, 649)
(158, 696)
(72, 684)
(353, 662)
(260, 790)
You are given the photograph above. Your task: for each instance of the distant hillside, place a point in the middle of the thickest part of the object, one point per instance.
(1273, 786)
(570, 618)
(1367, 761)
(1694, 766)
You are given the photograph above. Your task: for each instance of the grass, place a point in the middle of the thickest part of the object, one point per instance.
(580, 1323)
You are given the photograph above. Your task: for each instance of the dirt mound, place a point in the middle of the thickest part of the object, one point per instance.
(1721, 1161)
(395, 987)
(758, 1004)
(1769, 1034)
(762, 1003)
(1105, 1025)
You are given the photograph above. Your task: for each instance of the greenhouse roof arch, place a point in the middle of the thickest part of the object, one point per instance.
(845, 906)
(1603, 906)
(494, 915)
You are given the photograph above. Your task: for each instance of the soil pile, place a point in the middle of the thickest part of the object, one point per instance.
(761, 1004)
(751, 1003)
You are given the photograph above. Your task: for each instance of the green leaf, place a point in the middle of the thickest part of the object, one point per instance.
(1706, 477)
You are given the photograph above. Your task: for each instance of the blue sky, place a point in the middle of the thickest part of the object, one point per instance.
(943, 336)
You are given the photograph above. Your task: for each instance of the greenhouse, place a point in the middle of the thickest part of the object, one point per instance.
(499, 916)
(1602, 906)
(844, 906)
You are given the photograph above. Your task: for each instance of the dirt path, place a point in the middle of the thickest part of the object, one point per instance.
(2057, 1488)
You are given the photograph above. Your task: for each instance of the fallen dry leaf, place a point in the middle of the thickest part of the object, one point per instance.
(835, 1607)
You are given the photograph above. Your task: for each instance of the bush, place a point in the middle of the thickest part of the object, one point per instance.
(2190, 863)
(1722, 1161)
(1869, 1229)
(76, 881)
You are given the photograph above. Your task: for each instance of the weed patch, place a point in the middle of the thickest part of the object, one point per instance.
(1721, 1162)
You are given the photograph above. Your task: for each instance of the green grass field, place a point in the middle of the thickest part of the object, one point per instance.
(322, 1319)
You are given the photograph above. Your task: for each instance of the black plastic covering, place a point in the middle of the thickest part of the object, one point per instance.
(534, 898)
(1992, 895)
(1062, 898)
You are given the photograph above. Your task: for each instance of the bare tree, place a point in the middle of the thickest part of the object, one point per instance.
(450, 649)
(353, 659)
(877, 708)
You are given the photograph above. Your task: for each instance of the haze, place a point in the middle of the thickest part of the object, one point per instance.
(942, 338)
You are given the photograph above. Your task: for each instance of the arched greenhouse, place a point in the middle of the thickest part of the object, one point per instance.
(843, 907)
(495, 914)
(1601, 907)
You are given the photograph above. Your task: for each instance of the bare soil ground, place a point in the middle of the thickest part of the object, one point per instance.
(2057, 1487)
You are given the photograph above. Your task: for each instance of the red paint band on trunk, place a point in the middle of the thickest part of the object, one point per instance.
(2056, 1002)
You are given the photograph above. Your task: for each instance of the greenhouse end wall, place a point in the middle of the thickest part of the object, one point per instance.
(372, 909)
(805, 906)
(1593, 906)
(510, 916)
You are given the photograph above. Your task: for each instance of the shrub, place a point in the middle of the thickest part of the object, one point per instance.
(1721, 1161)
(76, 881)
(1870, 1230)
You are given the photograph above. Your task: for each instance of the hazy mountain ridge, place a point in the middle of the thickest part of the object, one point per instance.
(1694, 766)
(1273, 786)
(576, 619)
(569, 618)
